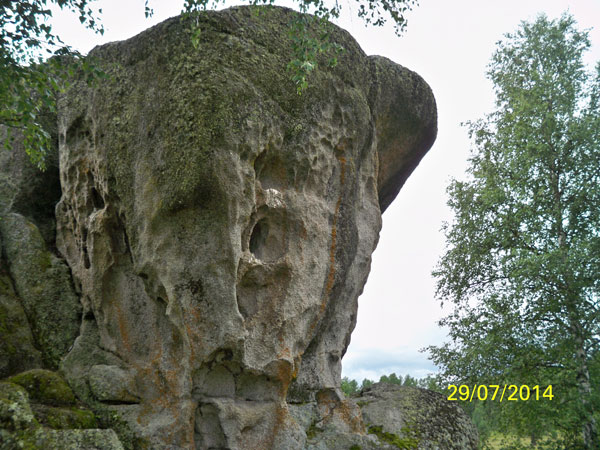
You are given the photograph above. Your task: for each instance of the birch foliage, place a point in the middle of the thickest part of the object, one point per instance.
(522, 263)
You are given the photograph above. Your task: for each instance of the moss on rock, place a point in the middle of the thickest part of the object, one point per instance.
(61, 418)
(44, 287)
(45, 386)
(409, 440)
(410, 417)
(15, 412)
(38, 426)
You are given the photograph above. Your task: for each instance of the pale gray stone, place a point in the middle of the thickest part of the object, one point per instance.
(221, 226)
(219, 229)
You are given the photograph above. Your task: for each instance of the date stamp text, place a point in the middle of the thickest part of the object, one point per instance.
(497, 392)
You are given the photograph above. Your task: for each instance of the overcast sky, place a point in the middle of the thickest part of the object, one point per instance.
(449, 43)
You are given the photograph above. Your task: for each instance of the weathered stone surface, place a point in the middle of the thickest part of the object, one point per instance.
(17, 348)
(34, 280)
(48, 439)
(221, 227)
(402, 138)
(112, 384)
(15, 411)
(417, 417)
(333, 430)
(44, 286)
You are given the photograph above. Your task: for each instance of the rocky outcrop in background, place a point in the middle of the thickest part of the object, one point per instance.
(218, 228)
(411, 417)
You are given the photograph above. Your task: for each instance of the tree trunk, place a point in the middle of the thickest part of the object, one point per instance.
(534, 440)
(590, 431)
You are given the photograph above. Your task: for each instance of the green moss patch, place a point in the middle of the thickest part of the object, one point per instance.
(45, 386)
(61, 418)
(312, 431)
(410, 441)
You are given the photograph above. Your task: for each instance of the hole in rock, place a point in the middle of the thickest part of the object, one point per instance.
(78, 130)
(97, 199)
(268, 237)
(271, 171)
(258, 238)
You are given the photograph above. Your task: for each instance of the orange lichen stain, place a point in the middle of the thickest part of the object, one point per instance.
(331, 407)
(284, 375)
(332, 247)
(303, 232)
(285, 353)
(281, 417)
(191, 319)
(167, 395)
(123, 327)
(351, 416)
(342, 161)
(342, 145)
(326, 402)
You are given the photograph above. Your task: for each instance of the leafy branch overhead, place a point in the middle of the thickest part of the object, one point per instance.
(29, 81)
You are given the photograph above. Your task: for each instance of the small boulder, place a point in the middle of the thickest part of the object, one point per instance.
(410, 417)
(46, 387)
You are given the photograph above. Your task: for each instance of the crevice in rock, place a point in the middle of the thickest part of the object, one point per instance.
(8, 287)
(122, 226)
(86, 258)
(119, 402)
(208, 431)
(259, 163)
(97, 199)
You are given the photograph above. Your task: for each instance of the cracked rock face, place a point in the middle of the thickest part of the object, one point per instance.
(220, 227)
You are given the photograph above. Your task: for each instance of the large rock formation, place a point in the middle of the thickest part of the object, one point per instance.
(221, 226)
(219, 229)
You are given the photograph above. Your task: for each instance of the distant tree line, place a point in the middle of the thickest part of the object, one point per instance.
(351, 387)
